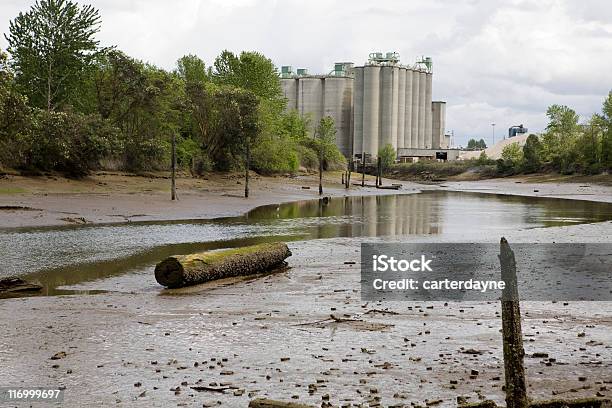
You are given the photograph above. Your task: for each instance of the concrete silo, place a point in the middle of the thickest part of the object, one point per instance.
(422, 108)
(428, 111)
(316, 96)
(310, 99)
(337, 103)
(401, 106)
(358, 111)
(438, 109)
(387, 114)
(289, 87)
(371, 106)
(408, 109)
(414, 124)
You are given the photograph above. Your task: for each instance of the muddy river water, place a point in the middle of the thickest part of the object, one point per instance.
(59, 257)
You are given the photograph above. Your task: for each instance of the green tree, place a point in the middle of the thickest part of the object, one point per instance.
(52, 46)
(559, 139)
(251, 71)
(474, 144)
(324, 144)
(192, 70)
(605, 120)
(532, 151)
(387, 156)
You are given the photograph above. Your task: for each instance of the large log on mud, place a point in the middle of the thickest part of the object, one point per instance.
(268, 403)
(15, 284)
(185, 270)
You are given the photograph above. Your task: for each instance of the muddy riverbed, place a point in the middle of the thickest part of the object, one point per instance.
(302, 333)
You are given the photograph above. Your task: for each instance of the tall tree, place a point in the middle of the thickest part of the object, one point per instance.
(559, 139)
(606, 139)
(324, 143)
(251, 71)
(52, 46)
(191, 69)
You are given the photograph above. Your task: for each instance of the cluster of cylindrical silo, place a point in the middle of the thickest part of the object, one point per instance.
(318, 96)
(380, 103)
(392, 105)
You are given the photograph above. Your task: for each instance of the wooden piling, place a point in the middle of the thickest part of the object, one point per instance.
(516, 390)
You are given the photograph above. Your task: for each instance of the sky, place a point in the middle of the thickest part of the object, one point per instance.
(495, 61)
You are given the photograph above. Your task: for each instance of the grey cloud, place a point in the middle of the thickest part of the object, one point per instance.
(500, 61)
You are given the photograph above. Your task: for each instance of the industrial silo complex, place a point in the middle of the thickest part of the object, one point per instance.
(380, 103)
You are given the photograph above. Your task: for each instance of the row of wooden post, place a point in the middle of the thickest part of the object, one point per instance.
(346, 176)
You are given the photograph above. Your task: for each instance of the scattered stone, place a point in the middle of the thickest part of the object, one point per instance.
(59, 355)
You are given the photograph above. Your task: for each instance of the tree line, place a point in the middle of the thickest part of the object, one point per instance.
(566, 146)
(71, 105)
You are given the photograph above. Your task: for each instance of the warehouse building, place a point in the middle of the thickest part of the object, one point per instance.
(382, 102)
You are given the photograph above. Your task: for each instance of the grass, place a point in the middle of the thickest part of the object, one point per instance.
(11, 190)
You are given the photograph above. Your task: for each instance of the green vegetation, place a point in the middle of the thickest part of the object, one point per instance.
(387, 156)
(68, 104)
(473, 144)
(566, 146)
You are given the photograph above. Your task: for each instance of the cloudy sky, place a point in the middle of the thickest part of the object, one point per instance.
(499, 62)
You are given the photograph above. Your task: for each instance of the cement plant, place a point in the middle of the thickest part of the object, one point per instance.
(382, 102)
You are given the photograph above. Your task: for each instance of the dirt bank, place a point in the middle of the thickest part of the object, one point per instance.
(117, 197)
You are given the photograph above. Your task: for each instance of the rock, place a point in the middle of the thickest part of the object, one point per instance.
(59, 355)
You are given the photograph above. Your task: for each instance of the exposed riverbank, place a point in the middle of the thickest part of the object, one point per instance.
(140, 345)
(117, 197)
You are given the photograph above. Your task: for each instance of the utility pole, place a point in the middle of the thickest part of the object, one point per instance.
(173, 187)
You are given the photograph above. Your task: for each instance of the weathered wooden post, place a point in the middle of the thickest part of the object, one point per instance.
(362, 169)
(173, 167)
(348, 175)
(516, 390)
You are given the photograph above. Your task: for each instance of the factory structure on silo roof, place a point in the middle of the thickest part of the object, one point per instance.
(380, 103)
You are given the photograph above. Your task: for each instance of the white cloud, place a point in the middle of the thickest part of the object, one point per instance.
(494, 61)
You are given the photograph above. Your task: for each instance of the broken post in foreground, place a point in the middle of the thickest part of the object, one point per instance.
(185, 270)
(516, 390)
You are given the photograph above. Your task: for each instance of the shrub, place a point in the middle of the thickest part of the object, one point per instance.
(67, 142)
(270, 156)
(387, 156)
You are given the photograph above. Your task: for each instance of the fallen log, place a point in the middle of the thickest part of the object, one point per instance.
(268, 403)
(185, 270)
(15, 284)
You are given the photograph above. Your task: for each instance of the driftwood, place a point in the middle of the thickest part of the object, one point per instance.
(268, 403)
(185, 270)
(15, 284)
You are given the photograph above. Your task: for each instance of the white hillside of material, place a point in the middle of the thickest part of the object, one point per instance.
(495, 151)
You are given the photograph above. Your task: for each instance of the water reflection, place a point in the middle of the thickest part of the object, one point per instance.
(69, 255)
